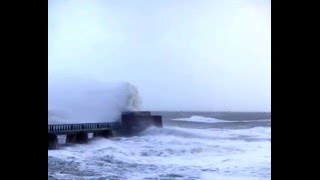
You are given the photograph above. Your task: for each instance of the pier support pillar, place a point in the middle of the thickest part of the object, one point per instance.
(105, 134)
(80, 138)
(52, 141)
(71, 138)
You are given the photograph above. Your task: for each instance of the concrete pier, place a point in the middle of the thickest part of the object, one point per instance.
(157, 121)
(135, 122)
(131, 123)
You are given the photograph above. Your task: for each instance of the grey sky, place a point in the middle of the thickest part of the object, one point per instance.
(181, 54)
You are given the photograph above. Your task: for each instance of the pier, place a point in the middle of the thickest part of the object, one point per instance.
(130, 124)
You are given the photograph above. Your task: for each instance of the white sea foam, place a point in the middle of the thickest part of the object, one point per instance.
(200, 119)
(212, 120)
(177, 152)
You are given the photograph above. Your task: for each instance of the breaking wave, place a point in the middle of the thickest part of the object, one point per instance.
(85, 101)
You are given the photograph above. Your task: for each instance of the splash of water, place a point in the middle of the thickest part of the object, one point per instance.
(85, 101)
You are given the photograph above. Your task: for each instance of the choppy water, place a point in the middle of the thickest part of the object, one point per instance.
(237, 149)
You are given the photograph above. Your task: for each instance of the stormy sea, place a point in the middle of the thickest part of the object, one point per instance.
(190, 146)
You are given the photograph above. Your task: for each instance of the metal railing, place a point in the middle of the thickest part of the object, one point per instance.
(88, 127)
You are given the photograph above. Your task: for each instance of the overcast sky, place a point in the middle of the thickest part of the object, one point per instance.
(181, 54)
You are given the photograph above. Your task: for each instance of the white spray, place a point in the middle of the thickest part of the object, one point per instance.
(84, 101)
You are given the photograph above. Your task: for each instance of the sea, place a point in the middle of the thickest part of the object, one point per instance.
(190, 146)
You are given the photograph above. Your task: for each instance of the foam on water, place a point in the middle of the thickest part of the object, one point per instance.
(211, 120)
(173, 153)
(200, 119)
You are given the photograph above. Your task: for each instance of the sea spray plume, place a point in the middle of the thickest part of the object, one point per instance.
(75, 100)
(56, 116)
(134, 99)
